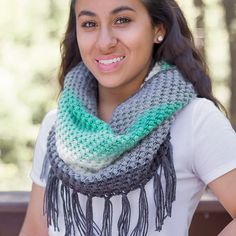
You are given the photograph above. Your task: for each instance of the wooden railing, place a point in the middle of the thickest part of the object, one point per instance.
(209, 219)
(13, 206)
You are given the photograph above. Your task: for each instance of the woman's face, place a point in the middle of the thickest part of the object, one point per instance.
(115, 39)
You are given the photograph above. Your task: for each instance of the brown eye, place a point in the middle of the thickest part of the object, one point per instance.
(88, 24)
(122, 20)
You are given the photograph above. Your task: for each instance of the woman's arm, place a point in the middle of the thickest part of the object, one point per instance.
(224, 189)
(35, 222)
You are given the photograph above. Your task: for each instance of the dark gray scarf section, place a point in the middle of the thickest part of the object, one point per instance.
(151, 158)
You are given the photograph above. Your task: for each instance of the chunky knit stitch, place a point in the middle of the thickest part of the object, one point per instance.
(102, 159)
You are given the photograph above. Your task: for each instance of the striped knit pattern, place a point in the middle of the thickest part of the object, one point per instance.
(101, 159)
(88, 144)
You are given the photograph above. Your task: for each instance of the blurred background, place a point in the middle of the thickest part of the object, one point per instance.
(30, 35)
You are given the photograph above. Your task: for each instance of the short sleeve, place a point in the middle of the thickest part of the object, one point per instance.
(41, 147)
(214, 142)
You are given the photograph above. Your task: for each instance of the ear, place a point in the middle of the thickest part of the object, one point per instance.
(159, 33)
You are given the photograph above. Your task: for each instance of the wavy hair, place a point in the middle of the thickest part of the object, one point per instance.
(177, 48)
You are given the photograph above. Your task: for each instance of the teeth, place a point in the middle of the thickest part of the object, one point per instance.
(114, 60)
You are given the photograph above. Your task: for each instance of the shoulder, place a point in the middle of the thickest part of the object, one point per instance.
(41, 147)
(45, 127)
(206, 117)
(212, 139)
(49, 118)
(203, 123)
(195, 110)
(200, 111)
(47, 123)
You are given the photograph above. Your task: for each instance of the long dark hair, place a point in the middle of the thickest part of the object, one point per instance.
(177, 48)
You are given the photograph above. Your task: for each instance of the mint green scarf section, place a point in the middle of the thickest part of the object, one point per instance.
(96, 137)
(87, 143)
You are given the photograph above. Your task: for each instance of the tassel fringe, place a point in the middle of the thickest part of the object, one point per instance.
(124, 220)
(159, 201)
(89, 216)
(107, 218)
(79, 216)
(141, 228)
(51, 201)
(67, 208)
(45, 167)
(75, 217)
(163, 201)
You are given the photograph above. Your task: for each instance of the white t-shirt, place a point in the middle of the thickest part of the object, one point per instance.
(203, 149)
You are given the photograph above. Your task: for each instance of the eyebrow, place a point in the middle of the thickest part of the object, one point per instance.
(121, 8)
(113, 12)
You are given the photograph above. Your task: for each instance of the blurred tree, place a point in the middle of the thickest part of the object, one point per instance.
(200, 25)
(29, 54)
(230, 16)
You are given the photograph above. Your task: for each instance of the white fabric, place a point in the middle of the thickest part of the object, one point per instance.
(204, 149)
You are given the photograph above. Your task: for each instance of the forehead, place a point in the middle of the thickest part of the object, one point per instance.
(107, 6)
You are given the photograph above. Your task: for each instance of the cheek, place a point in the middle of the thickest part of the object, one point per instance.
(141, 49)
(84, 43)
(139, 39)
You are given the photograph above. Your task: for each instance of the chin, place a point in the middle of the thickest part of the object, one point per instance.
(110, 84)
(108, 80)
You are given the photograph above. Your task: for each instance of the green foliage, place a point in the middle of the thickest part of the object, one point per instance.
(29, 42)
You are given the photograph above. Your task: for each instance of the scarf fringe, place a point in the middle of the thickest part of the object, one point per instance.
(79, 217)
(75, 217)
(81, 220)
(170, 177)
(141, 228)
(124, 220)
(163, 201)
(45, 168)
(89, 216)
(50, 206)
(107, 218)
(67, 209)
(159, 202)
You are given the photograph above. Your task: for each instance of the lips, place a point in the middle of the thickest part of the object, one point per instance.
(109, 63)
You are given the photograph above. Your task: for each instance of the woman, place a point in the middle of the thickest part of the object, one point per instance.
(137, 135)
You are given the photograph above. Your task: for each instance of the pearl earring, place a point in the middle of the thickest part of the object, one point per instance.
(160, 38)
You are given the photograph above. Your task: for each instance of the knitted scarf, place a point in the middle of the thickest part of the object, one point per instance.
(101, 159)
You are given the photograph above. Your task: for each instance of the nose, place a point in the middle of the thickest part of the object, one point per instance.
(106, 40)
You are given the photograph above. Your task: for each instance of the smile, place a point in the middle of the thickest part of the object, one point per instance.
(110, 61)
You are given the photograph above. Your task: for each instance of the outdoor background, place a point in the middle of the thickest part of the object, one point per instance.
(30, 34)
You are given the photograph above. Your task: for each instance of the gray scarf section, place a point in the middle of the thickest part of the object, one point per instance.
(150, 158)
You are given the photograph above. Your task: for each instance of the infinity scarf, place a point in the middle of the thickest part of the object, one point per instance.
(101, 159)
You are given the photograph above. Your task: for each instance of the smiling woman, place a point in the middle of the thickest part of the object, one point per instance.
(137, 135)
